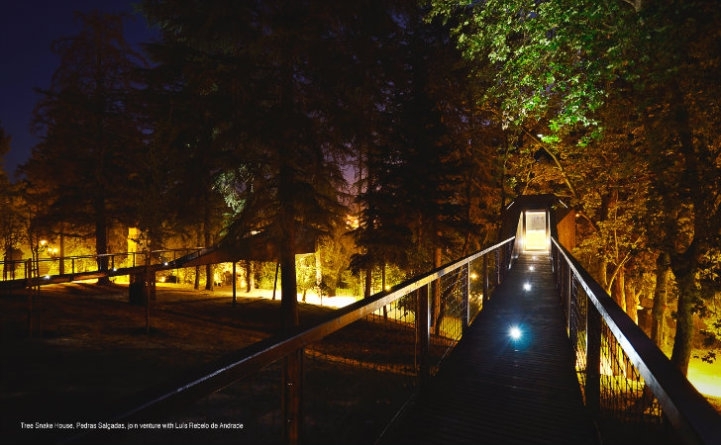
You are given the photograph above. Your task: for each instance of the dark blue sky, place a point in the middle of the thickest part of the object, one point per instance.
(27, 29)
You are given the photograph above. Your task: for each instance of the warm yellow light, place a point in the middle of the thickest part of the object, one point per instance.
(352, 221)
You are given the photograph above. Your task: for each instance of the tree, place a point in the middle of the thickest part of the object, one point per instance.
(264, 76)
(680, 123)
(90, 138)
(11, 232)
(420, 193)
(558, 62)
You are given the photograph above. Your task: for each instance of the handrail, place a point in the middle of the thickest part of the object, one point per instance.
(28, 274)
(272, 349)
(691, 415)
(265, 352)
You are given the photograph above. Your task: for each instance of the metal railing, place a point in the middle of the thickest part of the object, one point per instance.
(358, 368)
(28, 269)
(628, 384)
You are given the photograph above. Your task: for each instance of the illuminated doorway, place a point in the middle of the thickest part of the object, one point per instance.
(536, 230)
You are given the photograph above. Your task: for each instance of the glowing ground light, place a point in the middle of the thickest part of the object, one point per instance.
(531, 268)
(515, 332)
(526, 286)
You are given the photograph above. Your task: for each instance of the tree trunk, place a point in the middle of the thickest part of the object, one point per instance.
(683, 341)
(209, 274)
(631, 298)
(618, 290)
(249, 280)
(286, 245)
(368, 283)
(288, 285)
(685, 266)
(660, 298)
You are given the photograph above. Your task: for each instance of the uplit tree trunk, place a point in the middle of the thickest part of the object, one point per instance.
(660, 298)
(685, 264)
(631, 299)
(289, 292)
(368, 282)
(683, 341)
(249, 278)
(618, 291)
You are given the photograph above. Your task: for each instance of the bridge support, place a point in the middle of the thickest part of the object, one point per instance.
(292, 397)
(141, 288)
(423, 328)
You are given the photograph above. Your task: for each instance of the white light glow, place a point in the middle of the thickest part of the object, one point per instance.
(531, 268)
(526, 286)
(515, 332)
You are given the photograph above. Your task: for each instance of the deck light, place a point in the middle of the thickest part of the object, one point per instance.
(515, 333)
(526, 286)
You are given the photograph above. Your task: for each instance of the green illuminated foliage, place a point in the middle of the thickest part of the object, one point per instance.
(546, 56)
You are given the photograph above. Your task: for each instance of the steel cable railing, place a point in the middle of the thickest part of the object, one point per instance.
(32, 272)
(359, 368)
(631, 387)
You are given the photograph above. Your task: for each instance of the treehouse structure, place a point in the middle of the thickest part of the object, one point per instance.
(534, 219)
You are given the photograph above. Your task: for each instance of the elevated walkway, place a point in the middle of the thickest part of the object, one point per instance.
(496, 389)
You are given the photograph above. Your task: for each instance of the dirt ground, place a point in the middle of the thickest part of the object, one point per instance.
(88, 347)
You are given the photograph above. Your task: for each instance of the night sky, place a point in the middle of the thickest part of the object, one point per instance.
(27, 29)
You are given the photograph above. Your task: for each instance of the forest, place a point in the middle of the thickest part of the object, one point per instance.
(396, 131)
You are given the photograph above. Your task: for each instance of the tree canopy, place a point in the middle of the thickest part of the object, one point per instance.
(617, 84)
(82, 171)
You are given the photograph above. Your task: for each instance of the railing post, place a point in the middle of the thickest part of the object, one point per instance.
(486, 297)
(466, 315)
(146, 291)
(292, 397)
(569, 298)
(423, 334)
(593, 359)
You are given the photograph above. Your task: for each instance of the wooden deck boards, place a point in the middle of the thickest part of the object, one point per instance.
(496, 390)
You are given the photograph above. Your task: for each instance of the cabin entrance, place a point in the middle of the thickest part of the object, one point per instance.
(536, 228)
